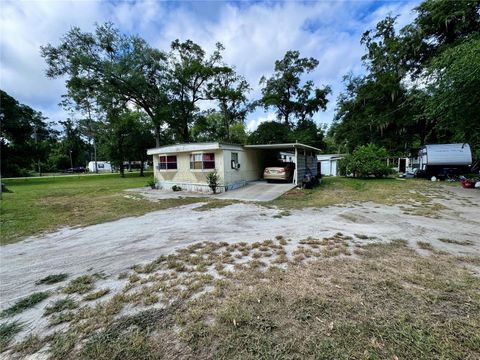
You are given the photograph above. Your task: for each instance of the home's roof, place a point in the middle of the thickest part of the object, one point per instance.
(190, 147)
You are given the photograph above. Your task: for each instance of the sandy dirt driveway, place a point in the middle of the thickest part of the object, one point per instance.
(116, 246)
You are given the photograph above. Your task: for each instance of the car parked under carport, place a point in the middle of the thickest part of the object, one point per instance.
(304, 158)
(279, 172)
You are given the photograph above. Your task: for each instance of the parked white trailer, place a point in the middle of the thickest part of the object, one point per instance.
(444, 159)
(103, 166)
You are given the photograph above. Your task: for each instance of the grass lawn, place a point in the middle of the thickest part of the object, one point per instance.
(41, 205)
(340, 190)
(38, 205)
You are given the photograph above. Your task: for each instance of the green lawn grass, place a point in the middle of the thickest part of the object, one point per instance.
(45, 204)
(340, 190)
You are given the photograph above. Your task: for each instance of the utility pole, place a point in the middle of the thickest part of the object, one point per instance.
(95, 154)
(92, 132)
(36, 148)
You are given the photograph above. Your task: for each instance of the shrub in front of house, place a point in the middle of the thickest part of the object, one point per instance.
(213, 181)
(366, 161)
(151, 182)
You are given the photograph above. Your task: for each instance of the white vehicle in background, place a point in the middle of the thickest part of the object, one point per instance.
(102, 166)
(442, 160)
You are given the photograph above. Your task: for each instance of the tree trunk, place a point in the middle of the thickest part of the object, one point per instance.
(185, 134)
(141, 167)
(121, 156)
(122, 169)
(157, 136)
(95, 155)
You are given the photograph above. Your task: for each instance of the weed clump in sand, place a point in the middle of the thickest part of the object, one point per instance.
(424, 245)
(80, 285)
(60, 305)
(25, 303)
(52, 279)
(7, 333)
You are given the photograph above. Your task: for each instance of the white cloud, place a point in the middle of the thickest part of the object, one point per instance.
(253, 123)
(254, 34)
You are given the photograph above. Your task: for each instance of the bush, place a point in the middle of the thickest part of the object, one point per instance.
(151, 182)
(212, 179)
(367, 160)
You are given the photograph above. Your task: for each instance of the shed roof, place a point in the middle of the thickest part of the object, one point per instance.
(330, 156)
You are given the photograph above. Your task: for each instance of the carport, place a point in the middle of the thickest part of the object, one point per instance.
(304, 157)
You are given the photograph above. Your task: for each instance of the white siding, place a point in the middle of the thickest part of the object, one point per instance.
(328, 167)
(183, 176)
(250, 168)
(196, 180)
(333, 168)
(325, 168)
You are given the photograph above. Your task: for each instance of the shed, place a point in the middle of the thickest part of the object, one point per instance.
(187, 165)
(328, 164)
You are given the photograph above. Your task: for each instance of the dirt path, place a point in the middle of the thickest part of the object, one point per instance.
(115, 246)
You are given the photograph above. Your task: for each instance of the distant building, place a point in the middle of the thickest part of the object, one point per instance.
(327, 164)
(103, 166)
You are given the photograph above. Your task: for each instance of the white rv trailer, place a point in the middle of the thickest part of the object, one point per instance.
(103, 166)
(443, 159)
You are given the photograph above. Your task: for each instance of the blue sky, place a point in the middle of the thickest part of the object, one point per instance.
(254, 33)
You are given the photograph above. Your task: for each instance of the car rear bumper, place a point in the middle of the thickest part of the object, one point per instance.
(275, 176)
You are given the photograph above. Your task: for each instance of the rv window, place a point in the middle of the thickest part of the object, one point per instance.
(167, 162)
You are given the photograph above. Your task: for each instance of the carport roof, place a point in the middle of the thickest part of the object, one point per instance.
(282, 146)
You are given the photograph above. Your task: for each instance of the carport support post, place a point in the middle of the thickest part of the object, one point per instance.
(295, 172)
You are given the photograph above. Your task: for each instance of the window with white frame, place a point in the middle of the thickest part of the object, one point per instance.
(202, 161)
(167, 162)
(234, 160)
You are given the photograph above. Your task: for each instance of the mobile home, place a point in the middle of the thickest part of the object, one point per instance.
(187, 165)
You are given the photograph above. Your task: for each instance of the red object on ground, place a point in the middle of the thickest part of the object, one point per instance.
(468, 184)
